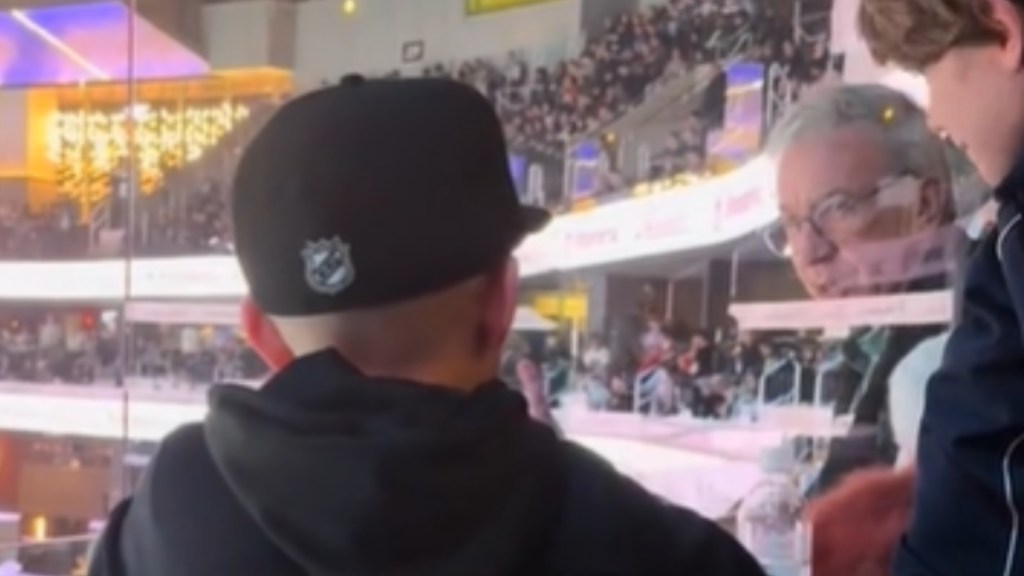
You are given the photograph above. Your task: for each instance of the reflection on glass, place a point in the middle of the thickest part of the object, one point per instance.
(868, 229)
(647, 125)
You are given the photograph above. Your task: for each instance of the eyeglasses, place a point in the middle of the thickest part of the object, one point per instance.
(841, 213)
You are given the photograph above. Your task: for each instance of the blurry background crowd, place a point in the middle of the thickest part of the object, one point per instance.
(547, 108)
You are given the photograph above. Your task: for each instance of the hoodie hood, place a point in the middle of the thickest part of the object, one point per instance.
(358, 475)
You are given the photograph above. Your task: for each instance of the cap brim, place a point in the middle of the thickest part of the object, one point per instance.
(534, 219)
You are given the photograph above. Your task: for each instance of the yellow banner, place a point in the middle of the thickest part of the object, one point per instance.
(478, 7)
(567, 305)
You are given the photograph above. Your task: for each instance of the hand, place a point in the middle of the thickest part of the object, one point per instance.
(858, 524)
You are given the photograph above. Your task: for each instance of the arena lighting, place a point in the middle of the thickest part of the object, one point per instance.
(68, 44)
(694, 216)
(87, 146)
(97, 73)
(89, 29)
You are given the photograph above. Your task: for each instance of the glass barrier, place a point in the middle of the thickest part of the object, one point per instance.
(78, 159)
(686, 277)
(822, 325)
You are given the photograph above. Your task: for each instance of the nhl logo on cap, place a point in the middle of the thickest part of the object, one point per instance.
(329, 268)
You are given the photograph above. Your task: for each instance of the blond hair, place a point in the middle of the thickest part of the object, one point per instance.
(914, 34)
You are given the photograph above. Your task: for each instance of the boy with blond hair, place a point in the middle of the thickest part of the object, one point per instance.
(970, 462)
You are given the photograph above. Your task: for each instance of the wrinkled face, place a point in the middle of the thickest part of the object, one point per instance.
(852, 224)
(976, 97)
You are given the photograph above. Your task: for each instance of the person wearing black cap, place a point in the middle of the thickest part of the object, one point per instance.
(375, 223)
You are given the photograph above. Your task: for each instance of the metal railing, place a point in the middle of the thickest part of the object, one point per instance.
(825, 369)
(99, 220)
(775, 368)
(780, 93)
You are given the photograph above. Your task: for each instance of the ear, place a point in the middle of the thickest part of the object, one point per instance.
(1005, 16)
(499, 306)
(263, 336)
(933, 204)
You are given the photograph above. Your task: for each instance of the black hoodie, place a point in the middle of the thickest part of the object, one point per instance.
(325, 471)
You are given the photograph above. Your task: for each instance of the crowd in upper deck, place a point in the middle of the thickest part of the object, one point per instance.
(544, 107)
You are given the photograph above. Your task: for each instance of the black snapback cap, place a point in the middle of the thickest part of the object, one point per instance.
(372, 192)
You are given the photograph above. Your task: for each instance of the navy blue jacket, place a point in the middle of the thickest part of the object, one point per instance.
(970, 482)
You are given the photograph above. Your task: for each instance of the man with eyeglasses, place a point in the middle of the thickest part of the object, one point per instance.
(866, 209)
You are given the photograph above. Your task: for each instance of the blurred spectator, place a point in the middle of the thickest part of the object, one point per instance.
(747, 357)
(596, 371)
(51, 234)
(546, 107)
(201, 225)
(521, 370)
(53, 350)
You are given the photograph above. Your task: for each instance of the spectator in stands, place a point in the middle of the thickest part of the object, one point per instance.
(556, 364)
(747, 356)
(202, 227)
(969, 458)
(704, 353)
(201, 224)
(521, 371)
(866, 205)
(50, 234)
(655, 342)
(386, 444)
(809, 357)
(708, 394)
(596, 371)
(546, 108)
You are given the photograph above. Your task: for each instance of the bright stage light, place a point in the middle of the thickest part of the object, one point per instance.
(86, 146)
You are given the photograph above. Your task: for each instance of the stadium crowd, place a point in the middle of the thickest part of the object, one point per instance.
(47, 348)
(666, 369)
(658, 368)
(544, 107)
(198, 224)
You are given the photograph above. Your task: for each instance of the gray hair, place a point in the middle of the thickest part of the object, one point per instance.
(910, 143)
